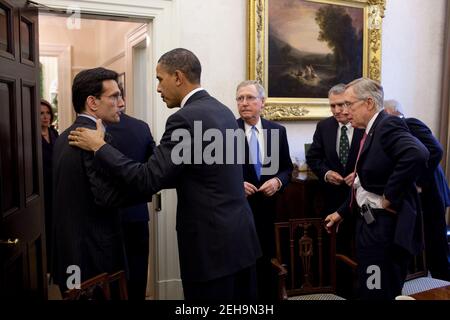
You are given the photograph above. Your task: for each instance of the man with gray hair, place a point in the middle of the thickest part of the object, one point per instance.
(265, 140)
(384, 196)
(434, 195)
(332, 157)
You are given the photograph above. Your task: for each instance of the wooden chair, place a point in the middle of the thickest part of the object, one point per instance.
(95, 289)
(118, 281)
(306, 260)
(101, 288)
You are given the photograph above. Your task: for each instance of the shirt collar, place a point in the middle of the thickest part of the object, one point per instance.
(92, 118)
(372, 120)
(348, 125)
(190, 94)
(258, 126)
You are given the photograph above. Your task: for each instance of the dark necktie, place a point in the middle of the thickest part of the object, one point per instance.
(254, 152)
(361, 145)
(344, 146)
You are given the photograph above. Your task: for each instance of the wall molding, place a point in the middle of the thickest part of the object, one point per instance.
(117, 57)
(64, 55)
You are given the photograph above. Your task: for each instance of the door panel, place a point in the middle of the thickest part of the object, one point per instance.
(6, 31)
(9, 170)
(22, 253)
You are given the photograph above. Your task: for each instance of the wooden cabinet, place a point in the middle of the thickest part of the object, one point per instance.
(302, 198)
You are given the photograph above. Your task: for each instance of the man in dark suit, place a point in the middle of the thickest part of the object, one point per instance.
(384, 195)
(217, 240)
(434, 195)
(134, 139)
(86, 229)
(260, 188)
(332, 157)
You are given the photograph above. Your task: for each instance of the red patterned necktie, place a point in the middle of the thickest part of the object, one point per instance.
(361, 145)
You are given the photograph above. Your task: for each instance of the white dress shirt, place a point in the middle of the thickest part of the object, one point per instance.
(190, 94)
(259, 135)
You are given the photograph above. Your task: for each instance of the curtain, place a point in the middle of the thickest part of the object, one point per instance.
(445, 109)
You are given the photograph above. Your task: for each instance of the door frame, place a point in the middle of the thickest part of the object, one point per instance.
(163, 31)
(64, 55)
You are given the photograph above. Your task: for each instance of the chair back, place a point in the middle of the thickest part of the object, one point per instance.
(96, 289)
(308, 253)
(100, 288)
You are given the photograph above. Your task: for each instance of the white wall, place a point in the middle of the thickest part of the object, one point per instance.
(412, 56)
(412, 43)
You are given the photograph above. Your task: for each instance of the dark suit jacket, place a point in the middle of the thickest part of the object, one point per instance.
(389, 164)
(216, 232)
(434, 197)
(322, 157)
(133, 138)
(435, 190)
(263, 207)
(86, 228)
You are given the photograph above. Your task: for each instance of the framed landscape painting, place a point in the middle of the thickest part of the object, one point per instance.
(299, 49)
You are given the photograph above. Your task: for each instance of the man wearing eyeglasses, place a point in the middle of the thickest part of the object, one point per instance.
(384, 198)
(261, 188)
(217, 240)
(332, 158)
(86, 226)
(134, 139)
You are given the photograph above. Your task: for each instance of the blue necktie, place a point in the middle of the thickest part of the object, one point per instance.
(254, 152)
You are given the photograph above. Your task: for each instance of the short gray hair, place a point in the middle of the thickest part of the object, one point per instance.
(337, 89)
(393, 106)
(367, 88)
(258, 86)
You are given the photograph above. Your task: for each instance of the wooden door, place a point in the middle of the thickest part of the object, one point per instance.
(22, 240)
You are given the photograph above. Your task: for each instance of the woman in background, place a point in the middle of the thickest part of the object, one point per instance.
(49, 135)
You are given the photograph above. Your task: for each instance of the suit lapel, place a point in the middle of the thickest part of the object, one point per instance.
(369, 138)
(354, 148)
(267, 139)
(241, 126)
(332, 140)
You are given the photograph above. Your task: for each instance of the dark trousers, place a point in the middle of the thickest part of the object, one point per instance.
(382, 265)
(136, 239)
(267, 280)
(345, 244)
(239, 286)
(435, 236)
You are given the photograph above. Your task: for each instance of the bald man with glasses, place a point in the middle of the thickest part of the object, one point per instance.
(261, 188)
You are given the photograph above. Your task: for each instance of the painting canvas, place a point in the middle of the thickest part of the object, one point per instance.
(121, 82)
(312, 46)
(299, 49)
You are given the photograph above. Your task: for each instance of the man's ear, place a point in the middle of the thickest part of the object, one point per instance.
(263, 103)
(370, 103)
(179, 77)
(91, 103)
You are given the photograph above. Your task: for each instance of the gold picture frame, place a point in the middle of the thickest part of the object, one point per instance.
(299, 103)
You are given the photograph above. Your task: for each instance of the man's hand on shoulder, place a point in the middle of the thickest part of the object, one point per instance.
(88, 139)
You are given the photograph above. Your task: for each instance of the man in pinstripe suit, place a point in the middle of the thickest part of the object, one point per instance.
(86, 225)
